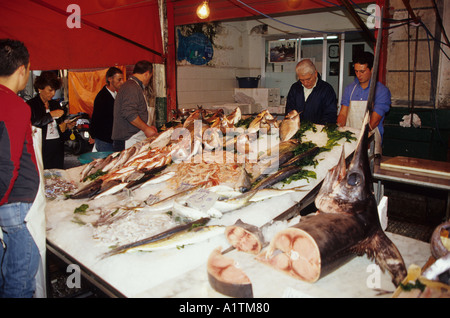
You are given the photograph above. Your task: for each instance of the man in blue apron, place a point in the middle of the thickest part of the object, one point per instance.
(354, 100)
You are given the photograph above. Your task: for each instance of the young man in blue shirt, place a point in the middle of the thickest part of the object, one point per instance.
(354, 99)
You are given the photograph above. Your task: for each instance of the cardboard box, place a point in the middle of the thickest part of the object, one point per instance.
(263, 96)
(229, 108)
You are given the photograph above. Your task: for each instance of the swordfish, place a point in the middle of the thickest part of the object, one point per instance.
(346, 224)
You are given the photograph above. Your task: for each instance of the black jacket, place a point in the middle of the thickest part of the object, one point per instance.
(321, 106)
(103, 116)
(40, 118)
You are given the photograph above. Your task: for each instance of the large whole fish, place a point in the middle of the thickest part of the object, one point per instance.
(346, 224)
(179, 236)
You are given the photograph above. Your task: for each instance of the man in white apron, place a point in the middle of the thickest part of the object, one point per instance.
(354, 101)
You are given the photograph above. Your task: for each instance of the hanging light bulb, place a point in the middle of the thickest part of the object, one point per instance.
(203, 10)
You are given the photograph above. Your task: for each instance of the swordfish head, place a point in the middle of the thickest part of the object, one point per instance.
(348, 189)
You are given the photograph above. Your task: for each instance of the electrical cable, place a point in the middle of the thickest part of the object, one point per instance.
(282, 22)
(432, 85)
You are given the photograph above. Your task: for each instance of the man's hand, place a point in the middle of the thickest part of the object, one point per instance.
(342, 117)
(150, 131)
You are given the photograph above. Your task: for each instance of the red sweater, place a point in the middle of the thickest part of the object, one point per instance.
(19, 176)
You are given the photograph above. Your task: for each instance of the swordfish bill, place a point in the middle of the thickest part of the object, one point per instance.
(346, 225)
(376, 60)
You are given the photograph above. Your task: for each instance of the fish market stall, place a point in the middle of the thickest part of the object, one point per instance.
(148, 226)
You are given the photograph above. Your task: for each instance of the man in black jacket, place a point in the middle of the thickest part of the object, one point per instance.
(103, 114)
(313, 98)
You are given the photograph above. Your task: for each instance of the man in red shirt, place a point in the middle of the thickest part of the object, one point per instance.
(19, 175)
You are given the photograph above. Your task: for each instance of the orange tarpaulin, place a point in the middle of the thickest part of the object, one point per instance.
(84, 86)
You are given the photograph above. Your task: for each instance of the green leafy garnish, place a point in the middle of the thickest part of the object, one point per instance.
(411, 286)
(334, 135)
(95, 175)
(302, 174)
(245, 122)
(81, 209)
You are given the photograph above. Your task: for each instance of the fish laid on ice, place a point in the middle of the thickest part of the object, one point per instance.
(245, 237)
(263, 120)
(112, 190)
(290, 125)
(155, 179)
(288, 169)
(88, 190)
(347, 224)
(226, 277)
(268, 193)
(162, 139)
(179, 236)
(225, 191)
(235, 116)
(166, 204)
(182, 209)
(235, 203)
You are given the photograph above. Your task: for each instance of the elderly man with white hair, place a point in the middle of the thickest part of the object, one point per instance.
(312, 97)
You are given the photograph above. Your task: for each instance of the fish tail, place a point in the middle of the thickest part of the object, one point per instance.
(381, 249)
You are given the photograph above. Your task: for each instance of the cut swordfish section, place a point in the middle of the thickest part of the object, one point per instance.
(312, 248)
(245, 237)
(226, 278)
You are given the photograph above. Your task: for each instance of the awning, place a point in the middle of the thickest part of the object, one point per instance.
(112, 32)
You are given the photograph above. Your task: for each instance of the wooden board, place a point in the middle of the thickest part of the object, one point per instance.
(418, 166)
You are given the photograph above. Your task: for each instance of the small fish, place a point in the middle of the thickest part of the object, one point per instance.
(243, 183)
(311, 152)
(176, 237)
(235, 116)
(163, 139)
(268, 193)
(112, 190)
(232, 204)
(166, 205)
(182, 209)
(153, 179)
(276, 177)
(255, 125)
(225, 191)
(290, 125)
(113, 158)
(87, 169)
(89, 190)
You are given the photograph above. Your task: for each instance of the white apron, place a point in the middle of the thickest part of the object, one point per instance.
(355, 118)
(35, 218)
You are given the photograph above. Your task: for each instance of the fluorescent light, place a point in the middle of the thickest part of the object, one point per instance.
(331, 37)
